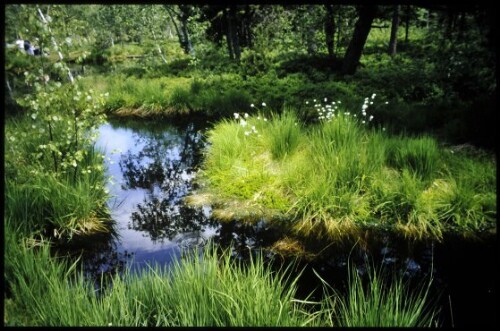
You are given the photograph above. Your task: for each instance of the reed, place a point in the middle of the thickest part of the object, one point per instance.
(200, 290)
(376, 301)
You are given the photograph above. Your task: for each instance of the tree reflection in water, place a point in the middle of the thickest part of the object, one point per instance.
(165, 167)
(96, 254)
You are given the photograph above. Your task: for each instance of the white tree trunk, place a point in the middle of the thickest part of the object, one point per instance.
(56, 47)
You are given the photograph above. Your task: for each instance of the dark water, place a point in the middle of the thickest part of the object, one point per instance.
(153, 165)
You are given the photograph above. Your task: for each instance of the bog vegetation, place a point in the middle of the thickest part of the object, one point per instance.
(341, 176)
(327, 120)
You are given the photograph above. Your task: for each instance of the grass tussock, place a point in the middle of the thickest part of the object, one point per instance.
(339, 177)
(48, 204)
(377, 302)
(289, 247)
(284, 134)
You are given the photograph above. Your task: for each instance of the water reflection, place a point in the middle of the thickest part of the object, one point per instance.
(160, 219)
(242, 238)
(164, 166)
(98, 255)
(166, 158)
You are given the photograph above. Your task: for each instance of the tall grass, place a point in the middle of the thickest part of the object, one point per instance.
(420, 155)
(284, 134)
(47, 203)
(199, 290)
(337, 178)
(378, 302)
(329, 194)
(51, 203)
(146, 97)
(205, 288)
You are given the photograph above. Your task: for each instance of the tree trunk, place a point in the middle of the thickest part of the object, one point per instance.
(233, 33)
(248, 31)
(394, 31)
(184, 16)
(9, 88)
(339, 31)
(179, 35)
(158, 48)
(182, 33)
(358, 40)
(329, 30)
(229, 38)
(56, 47)
(311, 44)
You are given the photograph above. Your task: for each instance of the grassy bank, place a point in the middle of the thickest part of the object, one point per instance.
(344, 175)
(53, 188)
(206, 289)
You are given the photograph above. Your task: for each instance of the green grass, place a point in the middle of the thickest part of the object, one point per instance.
(51, 203)
(284, 134)
(207, 289)
(196, 291)
(152, 96)
(420, 155)
(378, 302)
(339, 177)
(57, 206)
(167, 96)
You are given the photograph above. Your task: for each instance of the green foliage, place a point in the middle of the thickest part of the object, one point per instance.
(59, 203)
(380, 303)
(253, 63)
(284, 134)
(339, 177)
(180, 99)
(64, 118)
(176, 67)
(420, 155)
(317, 68)
(229, 102)
(196, 291)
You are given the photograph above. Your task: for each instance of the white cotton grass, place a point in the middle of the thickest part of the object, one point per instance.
(327, 112)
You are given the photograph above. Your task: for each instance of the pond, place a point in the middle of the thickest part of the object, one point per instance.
(153, 165)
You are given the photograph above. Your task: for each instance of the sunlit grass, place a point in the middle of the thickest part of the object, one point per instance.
(204, 288)
(61, 207)
(199, 290)
(338, 177)
(284, 134)
(52, 203)
(167, 96)
(131, 96)
(420, 155)
(236, 161)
